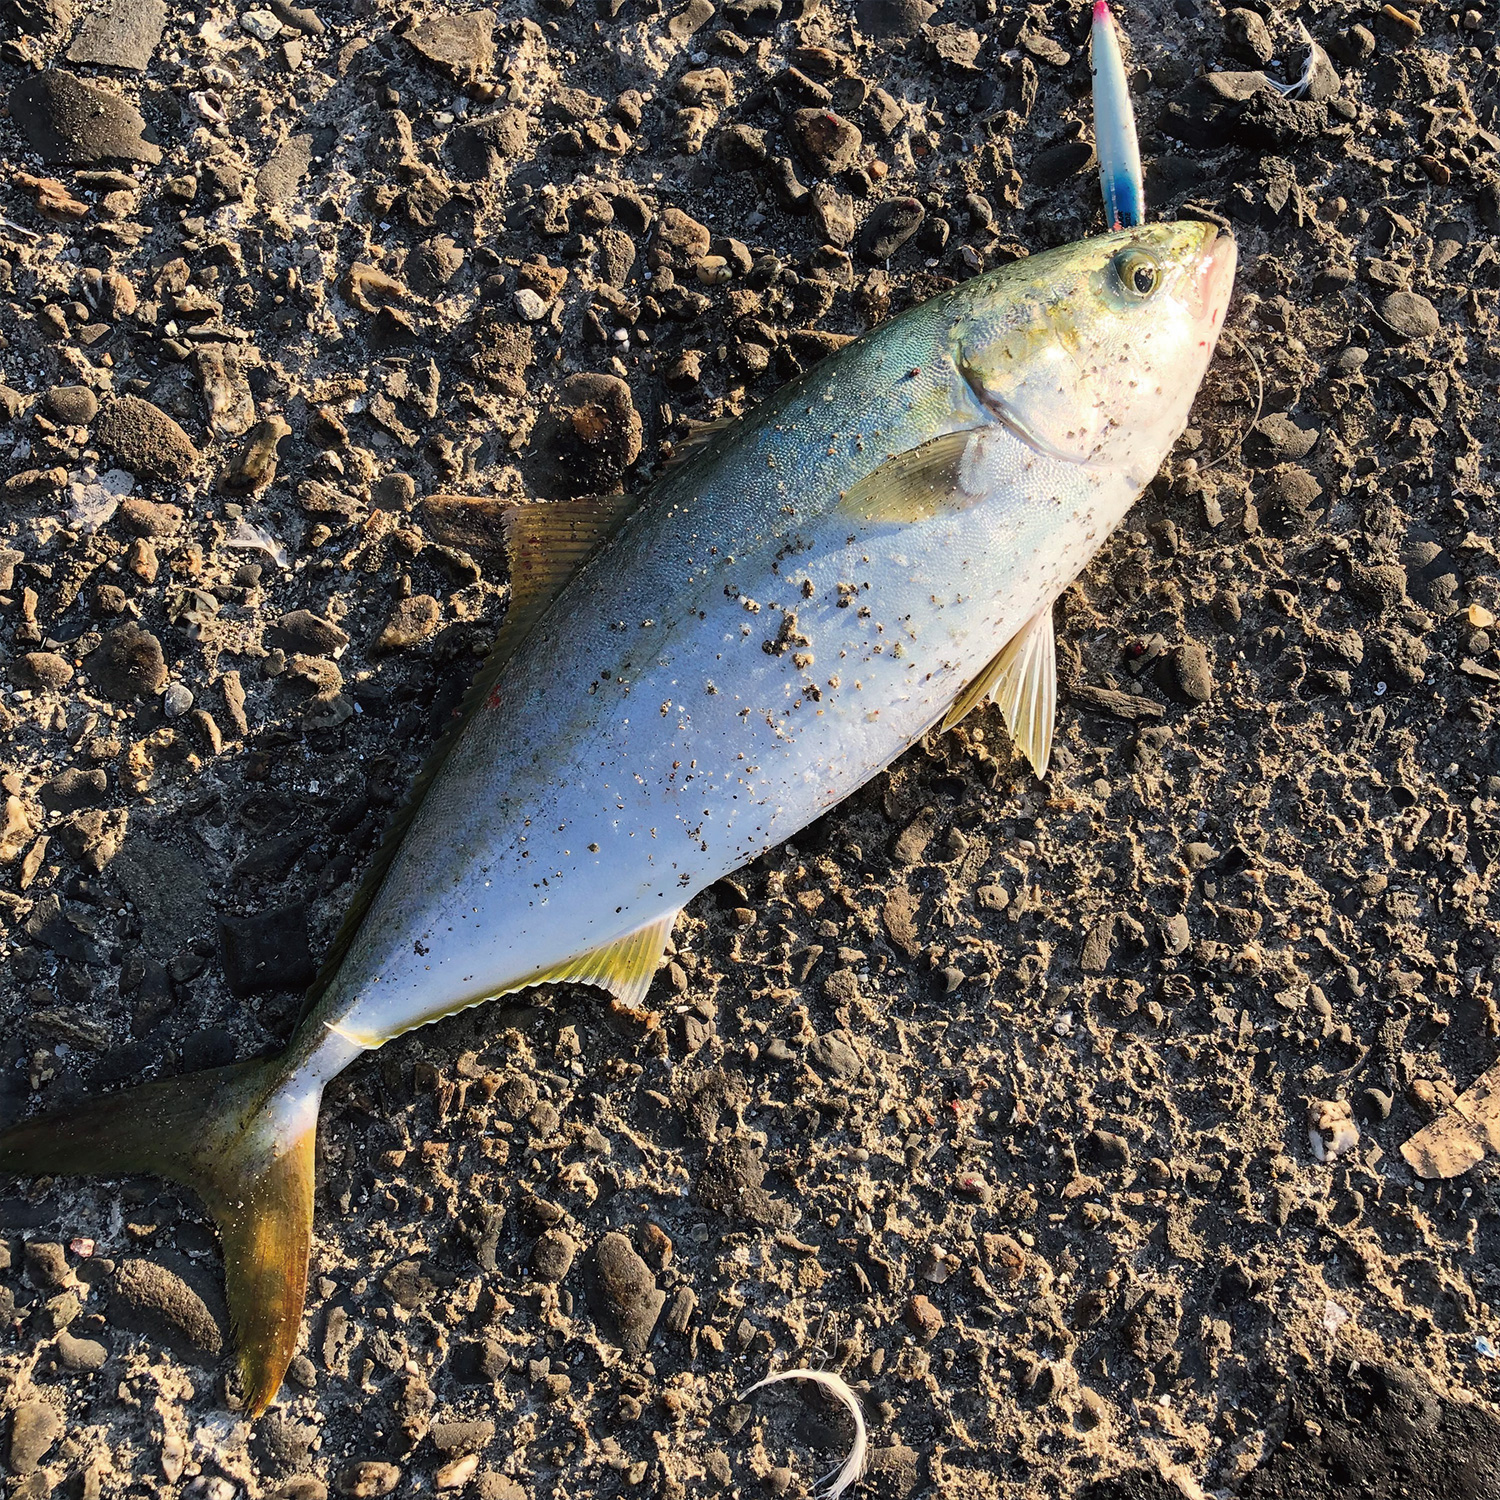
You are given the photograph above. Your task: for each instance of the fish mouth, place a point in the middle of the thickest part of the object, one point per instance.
(1213, 280)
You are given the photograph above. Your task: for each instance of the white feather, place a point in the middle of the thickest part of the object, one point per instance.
(840, 1478)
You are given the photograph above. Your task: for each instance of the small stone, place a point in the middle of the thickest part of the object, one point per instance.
(261, 24)
(552, 1257)
(73, 789)
(85, 1356)
(148, 1297)
(148, 518)
(254, 466)
(1058, 163)
(1375, 1105)
(266, 952)
(461, 45)
(462, 1437)
(893, 18)
(627, 1292)
(1355, 46)
(924, 1319)
(591, 437)
(46, 670)
(891, 225)
(75, 405)
(128, 664)
(1285, 438)
(70, 123)
(145, 440)
(176, 701)
(368, 1479)
(826, 141)
(690, 20)
(1193, 672)
(1249, 36)
(835, 1057)
(34, 1428)
(302, 631)
(1408, 316)
(455, 1475)
(414, 620)
(833, 213)
(530, 306)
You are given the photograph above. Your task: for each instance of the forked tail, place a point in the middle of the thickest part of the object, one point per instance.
(242, 1138)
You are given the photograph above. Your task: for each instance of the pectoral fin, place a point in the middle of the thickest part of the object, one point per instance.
(1022, 679)
(624, 967)
(916, 485)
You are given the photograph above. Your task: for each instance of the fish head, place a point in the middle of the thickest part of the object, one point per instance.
(1093, 352)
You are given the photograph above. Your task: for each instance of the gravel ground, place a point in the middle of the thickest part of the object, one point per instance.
(994, 1096)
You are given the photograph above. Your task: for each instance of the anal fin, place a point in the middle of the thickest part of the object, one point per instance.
(1022, 679)
(624, 967)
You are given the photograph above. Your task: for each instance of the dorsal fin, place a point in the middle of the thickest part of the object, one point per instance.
(1022, 679)
(548, 543)
(698, 436)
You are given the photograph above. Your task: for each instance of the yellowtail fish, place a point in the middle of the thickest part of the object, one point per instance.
(689, 676)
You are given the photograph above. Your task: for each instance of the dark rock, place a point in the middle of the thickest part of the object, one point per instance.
(752, 17)
(283, 1443)
(893, 18)
(683, 234)
(277, 182)
(434, 263)
(690, 20)
(74, 788)
(94, 837)
(1270, 121)
(460, 45)
(148, 518)
(34, 1428)
(891, 225)
(954, 47)
(893, 1470)
(1193, 673)
(145, 440)
(463, 1437)
(128, 664)
(480, 148)
(833, 1056)
(70, 123)
(124, 36)
(1408, 316)
(301, 18)
(81, 1355)
(268, 951)
(1058, 163)
(475, 1361)
(742, 147)
(626, 1292)
(552, 1256)
(1249, 36)
(76, 405)
(1356, 46)
(826, 141)
(301, 630)
(47, 670)
(616, 256)
(1294, 496)
(730, 1184)
(1285, 438)
(148, 1297)
(591, 437)
(169, 891)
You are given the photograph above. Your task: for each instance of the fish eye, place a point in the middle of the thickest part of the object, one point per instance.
(1137, 273)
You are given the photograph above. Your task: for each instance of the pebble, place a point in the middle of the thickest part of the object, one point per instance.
(593, 434)
(148, 1297)
(627, 1291)
(128, 664)
(1408, 316)
(413, 620)
(145, 440)
(1249, 36)
(826, 141)
(83, 1355)
(552, 1256)
(1285, 437)
(889, 227)
(268, 951)
(463, 1437)
(835, 1057)
(46, 670)
(529, 306)
(1193, 672)
(300, 630)
(893, 19)
(254, 466)
(176, 701)
(833, 213)
(35, 1427)
(74, 788)
(70, 123)
(461, 45)
(368, 1479)
(923, 1318)
(261, 24)
(75, 405)
(150, 518)
(123, 36)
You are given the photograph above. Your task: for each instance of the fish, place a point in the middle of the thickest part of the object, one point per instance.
(1115, 142)
(688, 676)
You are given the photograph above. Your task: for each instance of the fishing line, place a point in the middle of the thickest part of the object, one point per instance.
(1248, 351)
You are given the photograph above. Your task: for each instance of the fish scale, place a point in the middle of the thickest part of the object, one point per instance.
(685, 681)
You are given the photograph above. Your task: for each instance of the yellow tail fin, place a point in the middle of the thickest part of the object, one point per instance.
(244, 1143)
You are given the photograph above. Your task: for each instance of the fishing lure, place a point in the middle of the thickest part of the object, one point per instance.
(1115, 141)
